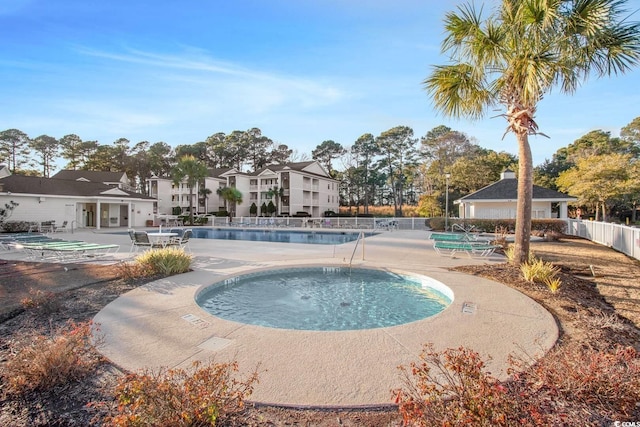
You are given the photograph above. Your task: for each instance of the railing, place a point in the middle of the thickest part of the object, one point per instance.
(619, 237)
(360, 238)
(357, 223)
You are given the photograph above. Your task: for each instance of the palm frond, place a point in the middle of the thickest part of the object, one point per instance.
(458, 90)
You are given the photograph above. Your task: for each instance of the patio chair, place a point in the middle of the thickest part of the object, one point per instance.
(62, 228)
(47, 226)
(141, 240)
(183, 240)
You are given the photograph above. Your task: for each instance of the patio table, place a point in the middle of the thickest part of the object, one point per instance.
(161, 238)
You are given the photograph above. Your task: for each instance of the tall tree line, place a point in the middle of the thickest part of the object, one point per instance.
(602, 171)
(140, 161)
(394, 168)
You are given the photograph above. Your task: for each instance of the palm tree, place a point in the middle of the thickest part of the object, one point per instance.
(519, 54)
(277, 193)
(189, 170)
(204, 192)
(231, 196)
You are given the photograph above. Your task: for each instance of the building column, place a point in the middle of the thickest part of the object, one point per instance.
(564, 213)
(98, 215)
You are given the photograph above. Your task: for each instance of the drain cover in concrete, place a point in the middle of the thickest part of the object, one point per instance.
(214, 343)
(469, 308)
(195, 320)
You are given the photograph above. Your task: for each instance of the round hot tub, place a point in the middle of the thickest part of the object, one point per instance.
(326, 298)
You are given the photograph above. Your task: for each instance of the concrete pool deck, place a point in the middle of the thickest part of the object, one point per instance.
(160, 324)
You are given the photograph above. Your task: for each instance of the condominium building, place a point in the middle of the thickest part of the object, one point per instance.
(293, 188)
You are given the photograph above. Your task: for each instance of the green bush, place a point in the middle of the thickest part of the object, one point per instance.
(553, 283)
(206, 395)
(538, 271)
(165, 262)
(538, 226)
(436, 223)
(202, 220)
(16, 226)
(271, 208)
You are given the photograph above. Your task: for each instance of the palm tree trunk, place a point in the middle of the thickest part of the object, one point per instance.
(525, 200)
(191, 205)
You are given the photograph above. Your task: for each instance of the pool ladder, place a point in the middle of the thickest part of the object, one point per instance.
(360, 236)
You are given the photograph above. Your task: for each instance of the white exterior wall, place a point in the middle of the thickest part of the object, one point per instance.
(501, 210)
(161, 190)
(214, 201)
(312, 194)
(31, 208)
(242, 185)
(309, 193)
(73, 210)
(296, 194)
(328, 198)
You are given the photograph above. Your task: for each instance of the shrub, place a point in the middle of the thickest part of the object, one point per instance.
(166, 261)
(6, 211)
(572, 385)
(45, 301)
(436, 223)
(48, 361)
(451, 388)
(501, 238)
(576, 383)
(203, 220)
(16, 226)
(538, 271)
(509, 253)
(553, 283)
(202, 395)
(134, 270)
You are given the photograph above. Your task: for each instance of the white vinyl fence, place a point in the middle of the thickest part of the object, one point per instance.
(414, 223)
(619, 237)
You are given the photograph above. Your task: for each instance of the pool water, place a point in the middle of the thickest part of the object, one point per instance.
(326, 298)
(282, 236)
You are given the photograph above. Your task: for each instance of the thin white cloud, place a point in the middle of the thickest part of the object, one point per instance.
(197, 67)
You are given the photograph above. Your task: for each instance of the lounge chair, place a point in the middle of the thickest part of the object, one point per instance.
(472, 249)
(59, 250)
(456, 237)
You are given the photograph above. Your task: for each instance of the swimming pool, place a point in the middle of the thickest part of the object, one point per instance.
(326, 298)
(283, 236)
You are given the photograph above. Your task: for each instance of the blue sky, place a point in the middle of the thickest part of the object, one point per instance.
(302, 71)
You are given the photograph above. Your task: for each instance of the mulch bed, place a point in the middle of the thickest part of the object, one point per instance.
(82, 290)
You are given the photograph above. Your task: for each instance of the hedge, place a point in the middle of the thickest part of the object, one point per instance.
(538, 226)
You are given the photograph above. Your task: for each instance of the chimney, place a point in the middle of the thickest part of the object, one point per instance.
(508, 174)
